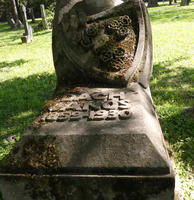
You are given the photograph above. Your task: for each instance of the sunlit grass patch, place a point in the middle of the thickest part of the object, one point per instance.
(171, 13)
(27, 81)
(172, 84)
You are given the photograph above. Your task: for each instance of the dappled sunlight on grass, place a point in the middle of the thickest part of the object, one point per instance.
(11, 38)
(171, 13)
(172, 84)
(25, 57)
(27, 81)
(21, 100)
(7, 66)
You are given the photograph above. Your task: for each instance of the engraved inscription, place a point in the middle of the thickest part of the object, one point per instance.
(110, 104)
(96, 106)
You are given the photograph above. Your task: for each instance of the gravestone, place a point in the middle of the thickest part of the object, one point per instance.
(27, 36)
(19, 24)
(43, 15)
(31, 11)
(99, 137)
(12, 23)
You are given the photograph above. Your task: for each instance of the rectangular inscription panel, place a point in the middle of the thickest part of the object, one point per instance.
(90, 105)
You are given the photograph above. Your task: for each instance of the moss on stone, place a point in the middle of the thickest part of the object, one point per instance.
(36, 154)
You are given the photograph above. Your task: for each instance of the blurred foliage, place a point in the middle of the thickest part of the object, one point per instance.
(36, 3)
(6, 6)
(50, 11)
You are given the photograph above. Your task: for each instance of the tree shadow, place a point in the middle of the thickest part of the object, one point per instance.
(4, 27)
(179, 128)
(15, 63)
(16, 34)
(21, 100)
(173, 86)
(39, 33)
(9, 36)
(170, 81)
(171, 15)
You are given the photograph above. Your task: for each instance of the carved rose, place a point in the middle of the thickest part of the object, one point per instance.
(106, 57)
(86, 42)
(111, 27)
(125, 20)
(119, 53)
(121, 33)
(91, 31)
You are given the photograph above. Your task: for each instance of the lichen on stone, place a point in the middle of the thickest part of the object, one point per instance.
(35, 155)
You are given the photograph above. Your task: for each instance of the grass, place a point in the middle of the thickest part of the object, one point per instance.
(27, 81)
(172, 84)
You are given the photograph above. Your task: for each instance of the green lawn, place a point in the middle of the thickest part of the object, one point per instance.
(27, 81)
(172, 84)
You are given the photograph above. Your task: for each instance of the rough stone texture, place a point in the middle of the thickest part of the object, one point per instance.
(92, 143)
(108, 159)
(26, 38)
(98, 147)
(90, 187)
(75, 64)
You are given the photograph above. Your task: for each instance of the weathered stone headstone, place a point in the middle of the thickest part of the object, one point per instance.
(43, 15)
(19, 24)
(12, 23)
(27, 36)
(99, 138)
(31, 11)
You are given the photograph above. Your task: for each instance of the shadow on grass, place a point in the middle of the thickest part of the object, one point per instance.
(21, 100)
(169, 14)
(8, 36)
(174, 87)
(4, 27)
(12, 64)
(10, 39)
(170, 81)
(13, 35)
(179, 133)
(39, 33)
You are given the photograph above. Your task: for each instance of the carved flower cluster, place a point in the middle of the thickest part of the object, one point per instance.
(119, 28)
(113, 59)
(87, 35)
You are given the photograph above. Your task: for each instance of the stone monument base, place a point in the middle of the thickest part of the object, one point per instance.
(91, 144)
(87, 187)
(27, 38)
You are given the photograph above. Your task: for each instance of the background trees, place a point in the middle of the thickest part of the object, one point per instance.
(11, 7)
(16, 16)
(185, 2)
(152, 3)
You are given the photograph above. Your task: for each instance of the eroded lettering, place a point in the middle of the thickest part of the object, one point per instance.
(120, 95)
(95, 106)
(110, 105)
